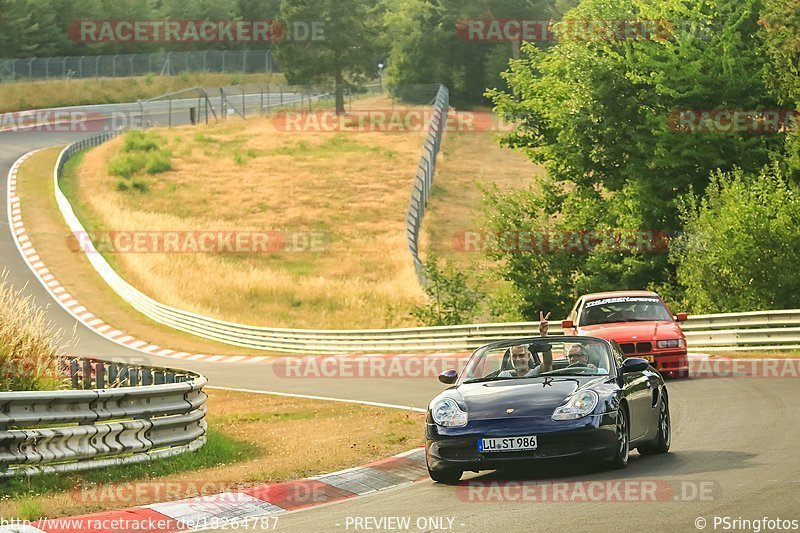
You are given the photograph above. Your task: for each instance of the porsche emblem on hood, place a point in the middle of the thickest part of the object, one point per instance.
(509, 411)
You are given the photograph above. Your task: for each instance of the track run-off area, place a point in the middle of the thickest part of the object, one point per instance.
(733, 454)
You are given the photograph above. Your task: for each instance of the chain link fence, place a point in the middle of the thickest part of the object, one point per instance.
(201, 104)
(124, 65)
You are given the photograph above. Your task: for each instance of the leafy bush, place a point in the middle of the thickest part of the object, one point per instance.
(126, 165)
(740, 247)
(140, 186)
(158, 162)
(140, 141)
(450, 299)
(29, 347)
(141, 152)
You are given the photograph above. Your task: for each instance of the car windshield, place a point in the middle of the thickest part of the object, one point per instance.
(585, 357)
(624, 309)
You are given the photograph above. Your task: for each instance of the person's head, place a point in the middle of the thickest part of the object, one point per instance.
(578, 355)
(520, 358)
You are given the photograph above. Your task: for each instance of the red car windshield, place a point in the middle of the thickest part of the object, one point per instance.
(624, 309)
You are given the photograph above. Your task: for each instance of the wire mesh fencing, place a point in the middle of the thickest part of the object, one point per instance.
(126, 65)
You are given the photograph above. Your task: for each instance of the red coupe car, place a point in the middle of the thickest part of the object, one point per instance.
(639, 321)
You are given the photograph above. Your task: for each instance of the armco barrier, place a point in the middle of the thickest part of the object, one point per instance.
(735, 331)
(423, 179)
(115, 414)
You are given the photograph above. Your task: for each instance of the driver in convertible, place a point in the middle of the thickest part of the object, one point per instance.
(522, 360)
(579, 357)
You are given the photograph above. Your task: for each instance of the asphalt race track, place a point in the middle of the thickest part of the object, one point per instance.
(734, 449)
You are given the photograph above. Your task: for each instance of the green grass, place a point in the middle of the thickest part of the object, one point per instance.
(126, 165)
(142, 153)
(220, 449)
(139, 141)
(69, 186)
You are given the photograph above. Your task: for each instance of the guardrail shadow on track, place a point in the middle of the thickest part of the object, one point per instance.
(115, 414)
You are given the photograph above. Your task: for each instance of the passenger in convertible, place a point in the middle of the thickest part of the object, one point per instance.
(522, 361)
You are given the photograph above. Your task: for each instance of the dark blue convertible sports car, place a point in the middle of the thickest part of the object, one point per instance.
(545, 397)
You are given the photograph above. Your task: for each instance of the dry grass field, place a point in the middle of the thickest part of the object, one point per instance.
(29, 345)
(17, 96)
(348, 188)
(253, 439)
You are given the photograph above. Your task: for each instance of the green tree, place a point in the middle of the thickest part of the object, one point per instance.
(450, 299)
(739, 250)
(427, 49)
(781, 23)
(597, 114)
(349, 51)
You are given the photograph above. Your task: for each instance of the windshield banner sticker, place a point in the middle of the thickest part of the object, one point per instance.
(622, 299)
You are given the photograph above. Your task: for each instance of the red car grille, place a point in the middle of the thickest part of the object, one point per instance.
(640, 347)
(627, 348)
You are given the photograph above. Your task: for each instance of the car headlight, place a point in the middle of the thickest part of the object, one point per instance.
(672, 343)
(580, 405)
(447, 413)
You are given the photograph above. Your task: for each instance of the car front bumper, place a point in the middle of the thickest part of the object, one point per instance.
(592, 436)
(671, 363)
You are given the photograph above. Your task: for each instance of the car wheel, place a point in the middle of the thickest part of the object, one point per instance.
(448, 476)
(620, 459)
(664, 438)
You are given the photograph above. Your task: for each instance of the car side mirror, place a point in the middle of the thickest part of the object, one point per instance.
(682, 317)
(448, 377)
(634, 364)
(566, 324)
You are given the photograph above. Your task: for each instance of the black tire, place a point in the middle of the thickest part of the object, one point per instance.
(449, 476)
(664, 438)
(623, 433)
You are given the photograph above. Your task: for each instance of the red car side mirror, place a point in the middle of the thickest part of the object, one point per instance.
(566, 324)
(682, 317)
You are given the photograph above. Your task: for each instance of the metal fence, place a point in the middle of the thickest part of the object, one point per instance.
(116, 413)
(200, 104)
(124, 65)
(423, 179)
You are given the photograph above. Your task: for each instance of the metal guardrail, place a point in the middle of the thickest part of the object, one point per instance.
(423, 179)
(115, 414)
(734, 331)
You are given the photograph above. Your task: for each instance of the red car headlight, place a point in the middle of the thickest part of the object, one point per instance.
(671, 343)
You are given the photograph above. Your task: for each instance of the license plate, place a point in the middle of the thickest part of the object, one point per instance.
(507, 444)
(650, 358)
